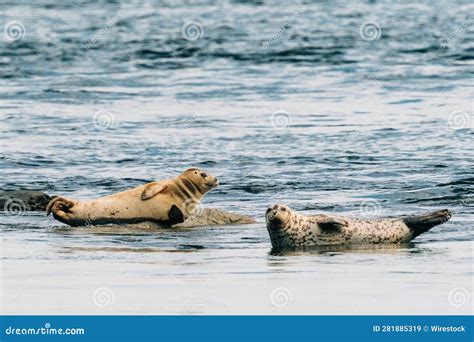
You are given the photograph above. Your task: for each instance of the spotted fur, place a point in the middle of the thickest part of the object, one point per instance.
(290, 229)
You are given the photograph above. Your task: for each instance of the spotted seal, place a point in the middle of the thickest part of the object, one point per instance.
(168, 202)
(290, 229)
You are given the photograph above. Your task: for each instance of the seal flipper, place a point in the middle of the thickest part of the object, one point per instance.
(59, 203)
(332, 225)
(151, 190)
(419, 224)
(175, 215)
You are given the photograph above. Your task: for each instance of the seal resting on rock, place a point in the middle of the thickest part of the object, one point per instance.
(290, 229)
(166, 202)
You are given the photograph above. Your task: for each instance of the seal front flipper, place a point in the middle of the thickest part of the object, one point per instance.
(151, 190)
(332, 225)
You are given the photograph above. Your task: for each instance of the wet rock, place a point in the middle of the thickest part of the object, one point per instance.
(211, 217)
(23, 200)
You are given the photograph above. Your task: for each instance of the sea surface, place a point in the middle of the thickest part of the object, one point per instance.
(358, 108)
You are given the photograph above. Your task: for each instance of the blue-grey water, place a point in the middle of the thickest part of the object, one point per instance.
(361, 108)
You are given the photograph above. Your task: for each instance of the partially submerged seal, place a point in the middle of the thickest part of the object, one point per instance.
(290, 229)
(167, 202)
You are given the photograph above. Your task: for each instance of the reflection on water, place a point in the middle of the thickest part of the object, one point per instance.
(340, 249)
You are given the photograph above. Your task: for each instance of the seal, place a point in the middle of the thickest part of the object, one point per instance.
(167, 202)
(290, 229)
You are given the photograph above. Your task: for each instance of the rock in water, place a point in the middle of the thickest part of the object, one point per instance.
(24, 200)
(212, 217)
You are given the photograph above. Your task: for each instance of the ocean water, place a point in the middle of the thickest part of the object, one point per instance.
(360, 108)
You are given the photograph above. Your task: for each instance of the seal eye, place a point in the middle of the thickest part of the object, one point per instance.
(203, 175)
(283, 209)
(268, 210)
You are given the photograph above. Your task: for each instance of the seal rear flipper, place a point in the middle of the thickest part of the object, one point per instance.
(151, 190)
(61, 203)
(418, 224)
(332, 225)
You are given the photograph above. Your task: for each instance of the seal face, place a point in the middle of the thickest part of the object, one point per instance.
(168, 201)
(290, 229)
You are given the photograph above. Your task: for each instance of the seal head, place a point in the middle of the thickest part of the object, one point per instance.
(203, 180)
(278, 218)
